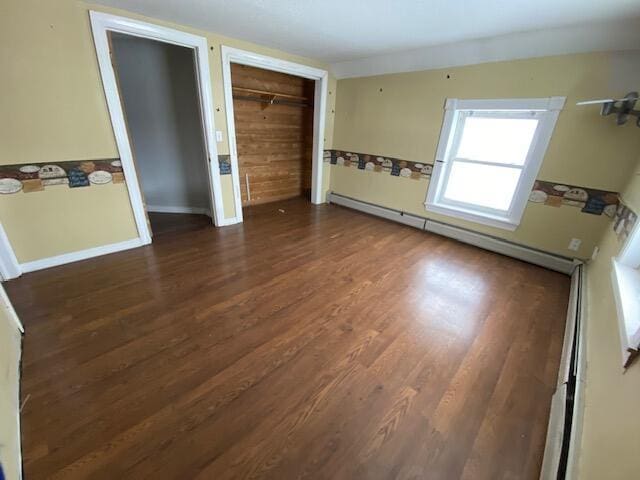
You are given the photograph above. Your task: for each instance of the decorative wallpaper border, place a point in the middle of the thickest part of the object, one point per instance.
(624, 221)
(376, 163)
(589, 200)
(83, 173)
(34, 177)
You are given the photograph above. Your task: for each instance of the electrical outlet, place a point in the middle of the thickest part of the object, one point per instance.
(218, 136)
(574, 244)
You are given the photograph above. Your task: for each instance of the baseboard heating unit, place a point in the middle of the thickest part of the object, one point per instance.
(487, 242)
(564, 430)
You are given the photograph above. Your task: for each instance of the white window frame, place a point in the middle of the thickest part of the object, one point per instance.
(625, 277)
(546, 110)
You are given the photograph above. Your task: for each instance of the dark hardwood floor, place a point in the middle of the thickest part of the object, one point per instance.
(316, 343)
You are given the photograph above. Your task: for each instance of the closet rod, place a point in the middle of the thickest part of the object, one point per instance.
(271, 94)
(271, 101)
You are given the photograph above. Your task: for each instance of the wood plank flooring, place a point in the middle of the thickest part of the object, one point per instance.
(315, 343)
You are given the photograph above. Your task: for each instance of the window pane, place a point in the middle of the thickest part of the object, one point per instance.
(500, 140)
(483, 185)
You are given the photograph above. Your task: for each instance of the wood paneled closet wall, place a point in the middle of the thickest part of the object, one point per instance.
(274, 135)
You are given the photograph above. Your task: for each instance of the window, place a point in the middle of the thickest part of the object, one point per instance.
(626, 288)
(488, 157)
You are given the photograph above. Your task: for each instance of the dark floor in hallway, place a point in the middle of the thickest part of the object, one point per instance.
(162, 223)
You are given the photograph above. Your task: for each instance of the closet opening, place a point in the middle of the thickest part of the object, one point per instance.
(160, 98)
(273, 114)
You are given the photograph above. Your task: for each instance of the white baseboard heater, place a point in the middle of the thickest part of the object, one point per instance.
(370, 208)
(487, 242)
(564, 431)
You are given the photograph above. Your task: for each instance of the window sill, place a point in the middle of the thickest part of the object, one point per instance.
(626, 289)
(472, 216)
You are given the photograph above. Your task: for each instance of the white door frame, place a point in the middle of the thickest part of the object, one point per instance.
(9, 266)
(321, 77)
(101, 24)
(7, 307)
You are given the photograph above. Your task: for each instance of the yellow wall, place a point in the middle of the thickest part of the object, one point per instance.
(611, 429)
(227, 196)
(400, 115)
(10, 348)
(54, 110)
(45, 224)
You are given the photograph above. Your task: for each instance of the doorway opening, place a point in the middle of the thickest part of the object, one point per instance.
(273, 116)
(159, 94)
(313, 99)
(105, 28)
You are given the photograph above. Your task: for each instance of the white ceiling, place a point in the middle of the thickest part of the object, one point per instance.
(341, 30)
(611, 35)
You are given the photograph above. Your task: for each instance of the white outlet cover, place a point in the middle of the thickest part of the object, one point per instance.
(218, 136)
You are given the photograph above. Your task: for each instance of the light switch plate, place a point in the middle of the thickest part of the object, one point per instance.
(218, 136)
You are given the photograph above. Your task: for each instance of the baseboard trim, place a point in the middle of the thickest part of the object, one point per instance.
(228, 221)
(80, 255)
(527, 254)
(174, 209)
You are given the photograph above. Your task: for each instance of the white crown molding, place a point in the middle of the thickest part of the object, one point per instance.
(596, 37)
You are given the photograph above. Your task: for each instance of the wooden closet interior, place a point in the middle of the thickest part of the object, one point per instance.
(273, 115)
